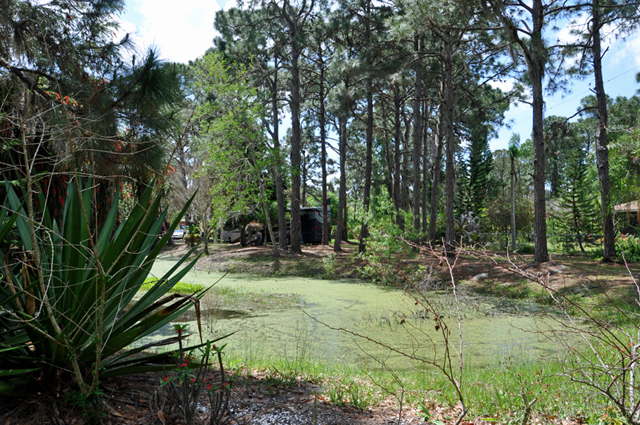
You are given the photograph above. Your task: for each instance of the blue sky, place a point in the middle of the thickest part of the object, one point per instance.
(620, 80)
(184, 30)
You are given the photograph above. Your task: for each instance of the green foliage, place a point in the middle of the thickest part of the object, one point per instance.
(625, 167)
(579, 212)
(229, 116)
(628, 247)
(181, 287)
(499, 214)
(385, 243)
(89, 404)
(329, 264)
(182, 388)
(351, 393)
(69, 299)
(476, 164)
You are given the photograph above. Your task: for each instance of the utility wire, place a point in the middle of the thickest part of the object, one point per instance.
(581, 94)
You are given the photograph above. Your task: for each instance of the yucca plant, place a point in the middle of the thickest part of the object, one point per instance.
(67, 306)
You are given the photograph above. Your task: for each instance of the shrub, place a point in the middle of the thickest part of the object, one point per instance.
(67, 297)
(526, 249)
(629, 247)
(181, 389)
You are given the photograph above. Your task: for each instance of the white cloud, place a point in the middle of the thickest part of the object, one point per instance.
(182, 31)
(505, 84)
(625, 51)
(570, 31)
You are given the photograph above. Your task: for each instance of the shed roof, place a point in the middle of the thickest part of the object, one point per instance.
(626, 207)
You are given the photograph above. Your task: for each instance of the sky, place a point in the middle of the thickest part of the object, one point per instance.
(621, 63)
(183, 31)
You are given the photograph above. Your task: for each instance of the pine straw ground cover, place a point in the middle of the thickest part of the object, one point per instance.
(255, 400)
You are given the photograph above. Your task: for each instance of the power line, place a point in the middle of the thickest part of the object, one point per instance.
(581, 94)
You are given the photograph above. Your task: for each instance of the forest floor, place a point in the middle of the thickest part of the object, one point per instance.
(255, 400)
(478, 269)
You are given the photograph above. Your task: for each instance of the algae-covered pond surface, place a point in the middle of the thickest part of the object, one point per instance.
(298, 328)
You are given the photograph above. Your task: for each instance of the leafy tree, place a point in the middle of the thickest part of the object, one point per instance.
(230, 118)
(106, 114)
(254, 38)
(622, 18)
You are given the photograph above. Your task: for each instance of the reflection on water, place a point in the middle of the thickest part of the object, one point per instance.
(491, 329)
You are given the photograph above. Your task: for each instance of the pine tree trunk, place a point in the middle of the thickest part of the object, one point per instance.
(397, 131)
(536, 74)
(513, 204)
(405, 181)
(342, 195)
(323, 144)
(388, 181)
(602, 150)
(345, 220)
(450, 145)
(436, 154)
(364, 231)
(425, 184)
(265, 208)
(417, 135)
(296, 141)
(303, 180)
(280, 199)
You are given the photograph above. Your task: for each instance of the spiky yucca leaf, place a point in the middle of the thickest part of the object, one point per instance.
(90, 286)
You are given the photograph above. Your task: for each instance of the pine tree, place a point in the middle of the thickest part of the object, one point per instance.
(579, 214)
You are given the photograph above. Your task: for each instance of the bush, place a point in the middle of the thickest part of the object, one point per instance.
(629, 247)
(526, 249)
(67, 298)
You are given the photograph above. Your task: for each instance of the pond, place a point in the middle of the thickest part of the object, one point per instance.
(491, 329)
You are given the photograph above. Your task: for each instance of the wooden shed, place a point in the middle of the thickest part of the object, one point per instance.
(627, 216)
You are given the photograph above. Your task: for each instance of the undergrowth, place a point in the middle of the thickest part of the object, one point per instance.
(494, 390)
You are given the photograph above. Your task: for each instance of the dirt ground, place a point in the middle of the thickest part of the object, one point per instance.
(130, 400)
(471, 266)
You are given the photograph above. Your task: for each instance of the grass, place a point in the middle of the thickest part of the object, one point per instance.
(554, 247)
(607, 303)
(180, 287)
(522, 289)
(491, 391)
